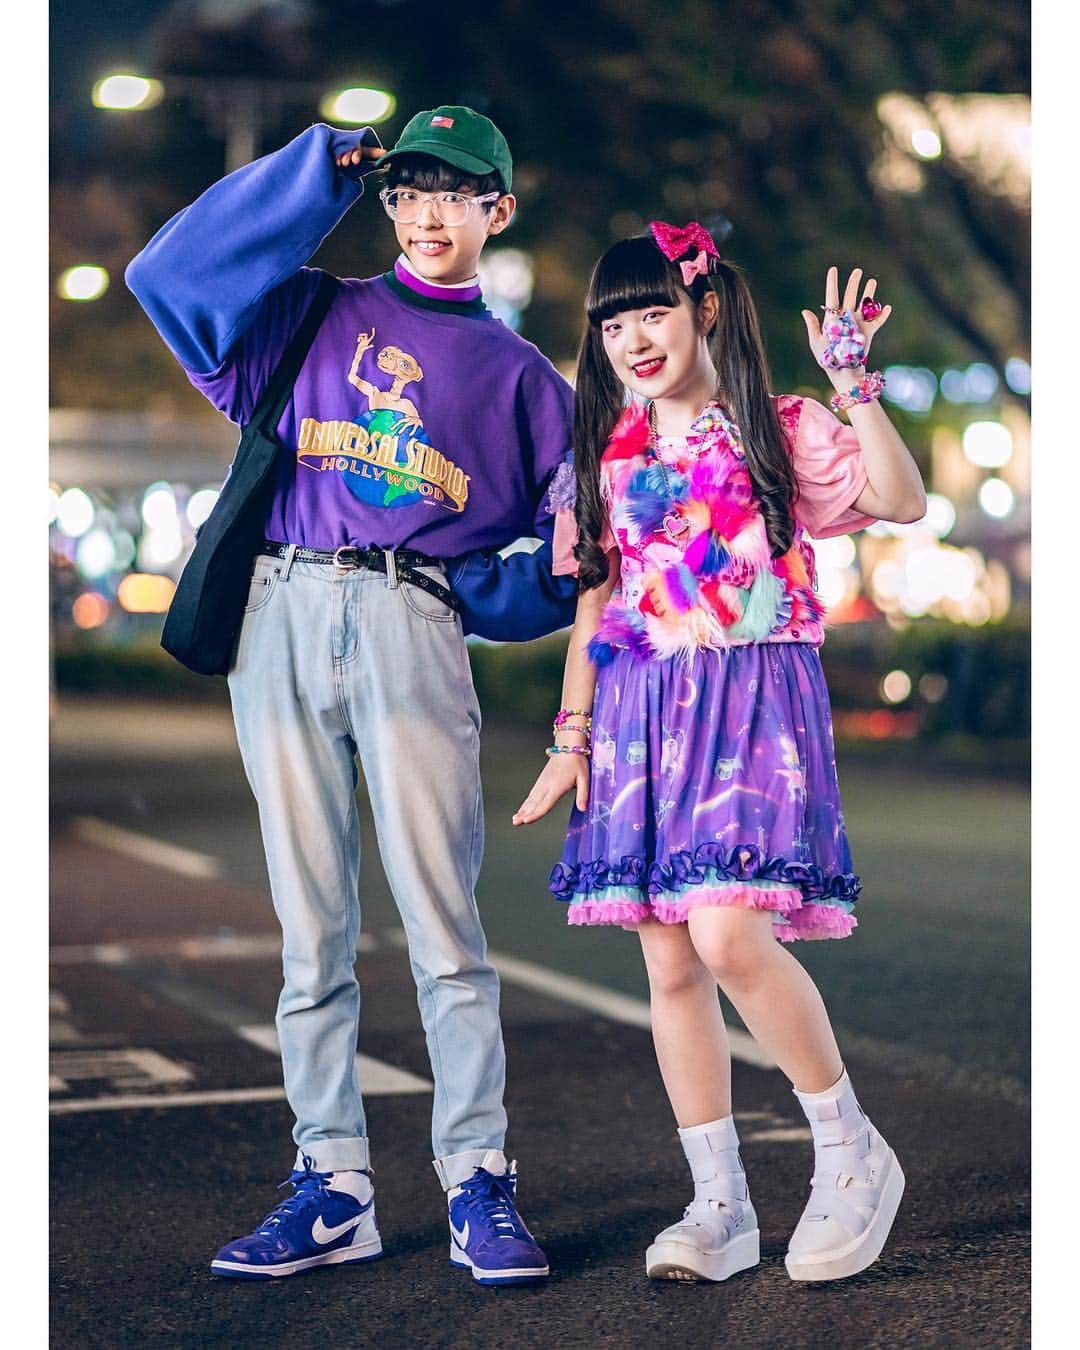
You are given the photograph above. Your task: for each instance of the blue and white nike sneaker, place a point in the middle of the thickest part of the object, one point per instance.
(328, 1219)
(488, 1235)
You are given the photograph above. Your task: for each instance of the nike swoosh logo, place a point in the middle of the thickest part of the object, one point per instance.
(322, 1235)
(462, 1237)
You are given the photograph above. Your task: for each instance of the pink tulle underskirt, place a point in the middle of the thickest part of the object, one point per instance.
(805, 921)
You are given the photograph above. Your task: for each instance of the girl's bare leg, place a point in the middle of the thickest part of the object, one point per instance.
(718, 1233)
(773, 994)
(688, 1026)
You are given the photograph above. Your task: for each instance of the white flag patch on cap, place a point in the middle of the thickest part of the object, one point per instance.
(442, 121)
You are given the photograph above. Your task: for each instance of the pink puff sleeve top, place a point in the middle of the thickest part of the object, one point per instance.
(828, 466)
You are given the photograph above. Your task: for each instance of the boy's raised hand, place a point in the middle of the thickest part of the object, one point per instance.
(561, 774)
(851, 302)
(351, 158)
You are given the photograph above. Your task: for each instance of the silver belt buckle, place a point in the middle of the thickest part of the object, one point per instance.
(391, 568)
(340, 566)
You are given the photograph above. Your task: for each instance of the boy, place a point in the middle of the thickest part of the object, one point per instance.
(420, 439)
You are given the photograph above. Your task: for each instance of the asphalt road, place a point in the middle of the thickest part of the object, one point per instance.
(170, 1131)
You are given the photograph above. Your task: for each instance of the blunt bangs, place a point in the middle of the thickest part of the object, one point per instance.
(632, 274)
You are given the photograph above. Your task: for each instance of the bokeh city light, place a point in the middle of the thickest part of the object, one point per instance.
(996, 498)
(359, 106)
(84, 282)
(896, 686)
(74, 513)
(988, 444)
(145, 593)
(90, 610)
(126, 92)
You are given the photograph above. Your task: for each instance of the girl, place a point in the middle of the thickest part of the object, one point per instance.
(711, 819)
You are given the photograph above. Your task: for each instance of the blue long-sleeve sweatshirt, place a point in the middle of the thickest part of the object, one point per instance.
(414, 423)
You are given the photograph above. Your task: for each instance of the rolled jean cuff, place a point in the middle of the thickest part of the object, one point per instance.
(335, 1155)
(454, 1168)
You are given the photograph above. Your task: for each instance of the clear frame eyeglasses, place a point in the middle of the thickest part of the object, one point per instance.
(451, 208)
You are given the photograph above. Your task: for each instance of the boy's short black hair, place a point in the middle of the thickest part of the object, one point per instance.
(428, 174)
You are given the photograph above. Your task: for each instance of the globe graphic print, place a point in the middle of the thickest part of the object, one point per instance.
(390, 486)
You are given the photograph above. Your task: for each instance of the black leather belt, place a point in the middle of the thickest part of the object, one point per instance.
(397, 564)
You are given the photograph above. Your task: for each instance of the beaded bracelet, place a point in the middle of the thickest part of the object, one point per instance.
(582, 731)
(568, 750)
(562, 723)
(868, 390)
(564, 714)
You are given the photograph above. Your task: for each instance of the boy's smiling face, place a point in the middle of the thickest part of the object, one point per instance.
(445, 254)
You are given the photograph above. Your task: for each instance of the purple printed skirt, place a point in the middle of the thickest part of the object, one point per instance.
(713, 783)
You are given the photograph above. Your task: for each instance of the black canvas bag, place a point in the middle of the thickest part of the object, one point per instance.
(203, 623)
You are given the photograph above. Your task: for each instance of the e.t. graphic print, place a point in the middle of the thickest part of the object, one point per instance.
(384, 455)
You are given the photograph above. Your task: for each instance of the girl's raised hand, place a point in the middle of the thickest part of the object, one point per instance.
(853, 302)
(561, 774)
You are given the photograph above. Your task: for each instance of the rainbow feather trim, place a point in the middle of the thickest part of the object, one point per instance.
(706, 555)
(631, 434)
(619, 627)
(761, 609)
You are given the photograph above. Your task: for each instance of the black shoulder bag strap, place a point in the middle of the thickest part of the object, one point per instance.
(203, 624)
(271, 405)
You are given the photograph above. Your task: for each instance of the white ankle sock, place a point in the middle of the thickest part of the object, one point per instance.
(838, 1124)
(712, 1150)
(724, 1125)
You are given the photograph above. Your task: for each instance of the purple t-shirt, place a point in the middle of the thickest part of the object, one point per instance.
(411, 425)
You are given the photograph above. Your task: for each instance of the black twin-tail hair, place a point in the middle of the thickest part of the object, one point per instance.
(428, 174)
(634, 274)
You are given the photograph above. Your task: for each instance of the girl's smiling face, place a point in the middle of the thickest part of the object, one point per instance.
(661, 351)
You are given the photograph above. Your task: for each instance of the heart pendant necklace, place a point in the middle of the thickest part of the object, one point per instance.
(674, 525)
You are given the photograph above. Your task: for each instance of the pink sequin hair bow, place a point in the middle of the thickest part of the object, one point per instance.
(674, 240)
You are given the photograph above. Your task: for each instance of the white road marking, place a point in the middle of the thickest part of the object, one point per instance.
(230, 947)
(186, 861)
(129, 1067)
(138, 1069)
(62, 1030)
(377, 1079)
(135, 1102)
(215, 947)
(94, 954)
(596, 998)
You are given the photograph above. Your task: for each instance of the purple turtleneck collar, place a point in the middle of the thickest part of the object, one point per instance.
(448, 294)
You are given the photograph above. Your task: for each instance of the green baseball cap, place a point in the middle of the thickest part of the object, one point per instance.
(466, 139)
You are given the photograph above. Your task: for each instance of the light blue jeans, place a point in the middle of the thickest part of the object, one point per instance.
(331, 666)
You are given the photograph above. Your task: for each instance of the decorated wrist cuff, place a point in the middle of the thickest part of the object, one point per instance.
(868, 390)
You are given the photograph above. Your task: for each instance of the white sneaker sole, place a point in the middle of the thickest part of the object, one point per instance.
(680, 1261)
(239, 1270)
(462, 1260)
(861, 1251)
